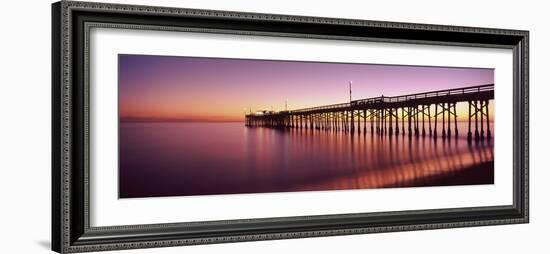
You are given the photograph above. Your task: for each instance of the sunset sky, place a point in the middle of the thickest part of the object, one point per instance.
(215, 89)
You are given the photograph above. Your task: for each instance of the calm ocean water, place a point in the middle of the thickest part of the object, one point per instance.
(179, 159)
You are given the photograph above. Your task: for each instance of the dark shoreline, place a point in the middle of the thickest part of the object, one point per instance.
(482, 173)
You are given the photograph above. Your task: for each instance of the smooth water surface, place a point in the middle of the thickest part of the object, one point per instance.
(179, 159)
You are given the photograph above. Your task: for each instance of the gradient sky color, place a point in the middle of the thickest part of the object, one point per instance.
(217, 89)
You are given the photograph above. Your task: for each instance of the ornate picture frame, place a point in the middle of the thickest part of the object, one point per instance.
(71, 229)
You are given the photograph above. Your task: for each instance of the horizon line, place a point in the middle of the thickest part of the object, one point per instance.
(168, 120)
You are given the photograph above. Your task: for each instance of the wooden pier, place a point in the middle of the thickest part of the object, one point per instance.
(421, 114)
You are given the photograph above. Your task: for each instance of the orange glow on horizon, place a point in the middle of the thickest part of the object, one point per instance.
(167, 113)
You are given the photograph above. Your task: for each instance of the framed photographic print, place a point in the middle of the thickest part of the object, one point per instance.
(181, 126)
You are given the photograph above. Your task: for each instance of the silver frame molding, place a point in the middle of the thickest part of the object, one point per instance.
(71, 23)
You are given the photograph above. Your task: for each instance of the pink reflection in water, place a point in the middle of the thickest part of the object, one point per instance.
(179, 159)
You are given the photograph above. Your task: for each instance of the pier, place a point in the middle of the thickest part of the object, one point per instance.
(431, 114)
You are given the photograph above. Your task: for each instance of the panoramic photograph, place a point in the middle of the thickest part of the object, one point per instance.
(193, 126)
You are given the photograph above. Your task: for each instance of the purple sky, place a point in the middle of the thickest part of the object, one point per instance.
(212, 89)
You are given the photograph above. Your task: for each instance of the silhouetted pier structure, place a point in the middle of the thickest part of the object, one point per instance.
(420, 114)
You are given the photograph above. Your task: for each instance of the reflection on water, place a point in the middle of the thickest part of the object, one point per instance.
(178, 159)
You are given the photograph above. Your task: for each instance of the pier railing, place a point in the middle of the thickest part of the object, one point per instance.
(472, 90)
(425, 95)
